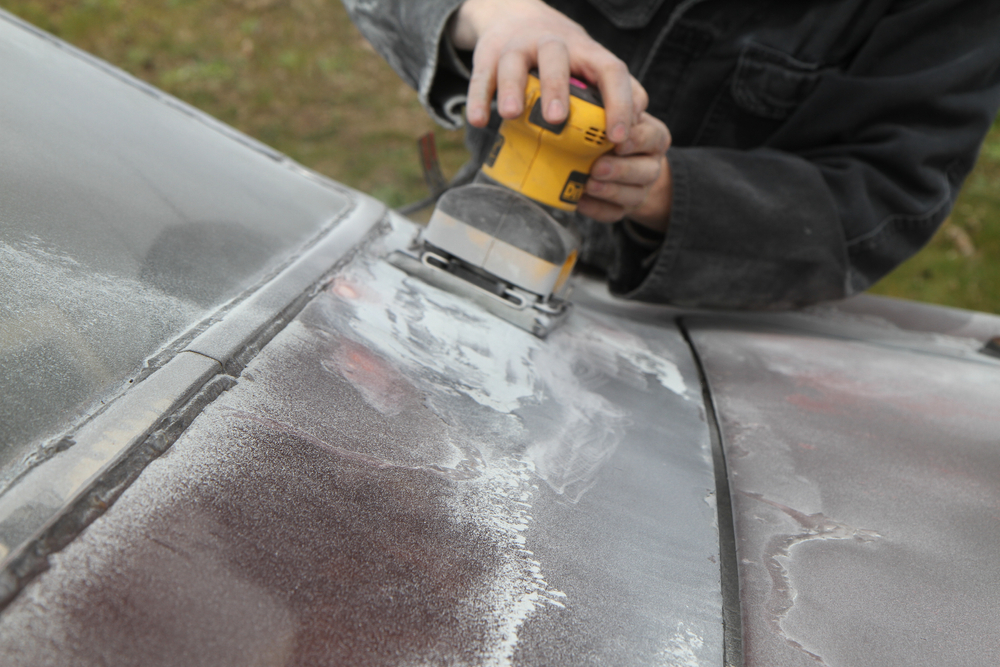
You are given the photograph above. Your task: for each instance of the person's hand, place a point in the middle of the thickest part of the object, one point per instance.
(633, 180)
(509, 37)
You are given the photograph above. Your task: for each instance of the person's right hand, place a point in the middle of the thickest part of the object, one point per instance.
(510, 37)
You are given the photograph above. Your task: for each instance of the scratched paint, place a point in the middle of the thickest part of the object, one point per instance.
(446, 517)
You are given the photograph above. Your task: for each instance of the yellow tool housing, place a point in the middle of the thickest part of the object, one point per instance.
(550, 163)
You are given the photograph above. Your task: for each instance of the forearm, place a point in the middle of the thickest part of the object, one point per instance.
(411, 38)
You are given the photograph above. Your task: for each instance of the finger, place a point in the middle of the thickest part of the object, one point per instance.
(641, 170)
(599, 210)
(626, 196)
(512, 78)
(553, 72)
(615, 83)
(640, 101)
(650, 136)
(482, 84)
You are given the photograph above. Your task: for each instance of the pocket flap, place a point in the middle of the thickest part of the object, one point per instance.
(769, 83)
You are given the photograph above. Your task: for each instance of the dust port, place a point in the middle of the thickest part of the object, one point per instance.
(595, 136)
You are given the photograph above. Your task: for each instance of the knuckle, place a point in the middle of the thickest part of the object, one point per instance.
(509, 52)
(605, 168)
(551, 41)
(634, 197)
(517, 48)
(631, 174)
(659, 171)
(653, 173)
(608, 61)
(664, 142)
(641, 100)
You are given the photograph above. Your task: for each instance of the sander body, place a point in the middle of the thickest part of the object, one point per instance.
(495, 241)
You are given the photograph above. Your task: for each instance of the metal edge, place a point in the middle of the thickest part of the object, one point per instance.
(253, 322)
(839, 327)
(31, 509)
(64, 439)
(732, 618)
(70, 490)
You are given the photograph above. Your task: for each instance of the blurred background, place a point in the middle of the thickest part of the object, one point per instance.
(298, 76)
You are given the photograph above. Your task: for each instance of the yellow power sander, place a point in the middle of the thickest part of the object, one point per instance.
(494, 241)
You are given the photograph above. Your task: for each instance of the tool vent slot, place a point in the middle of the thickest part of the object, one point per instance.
(595, 136)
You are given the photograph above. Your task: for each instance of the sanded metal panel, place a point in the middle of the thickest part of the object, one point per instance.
(125, 218)
(399, 478)
(865, 480)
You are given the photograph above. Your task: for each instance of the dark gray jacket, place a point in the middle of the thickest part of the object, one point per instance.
(817, 143)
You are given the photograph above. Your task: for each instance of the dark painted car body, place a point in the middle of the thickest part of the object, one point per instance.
(234, 434)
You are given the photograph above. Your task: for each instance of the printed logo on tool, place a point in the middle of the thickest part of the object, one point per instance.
(573, 189)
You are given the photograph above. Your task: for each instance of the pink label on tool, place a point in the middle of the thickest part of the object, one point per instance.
(573, 81)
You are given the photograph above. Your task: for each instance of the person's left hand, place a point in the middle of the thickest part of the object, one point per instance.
(633, 180)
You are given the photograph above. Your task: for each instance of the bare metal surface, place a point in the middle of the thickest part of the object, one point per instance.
(400, 478)
(128, 218)
(865, 479)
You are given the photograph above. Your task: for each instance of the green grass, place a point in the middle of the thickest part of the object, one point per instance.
(961, 265)
(298, 76)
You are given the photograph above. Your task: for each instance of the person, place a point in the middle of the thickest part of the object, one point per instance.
(812, 146)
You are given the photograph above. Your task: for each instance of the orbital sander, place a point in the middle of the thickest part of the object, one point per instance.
(495, 240)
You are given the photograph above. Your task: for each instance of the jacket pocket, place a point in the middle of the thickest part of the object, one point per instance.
(771, 84)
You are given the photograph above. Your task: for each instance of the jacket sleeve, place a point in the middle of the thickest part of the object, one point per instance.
(853, 183)
(409, 34)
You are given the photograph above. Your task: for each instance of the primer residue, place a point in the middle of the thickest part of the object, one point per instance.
(460, 350)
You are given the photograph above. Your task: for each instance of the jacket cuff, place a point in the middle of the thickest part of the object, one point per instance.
(445, 89)
(411, 36)
(634, 260)
(748, 229)
(635, 251)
